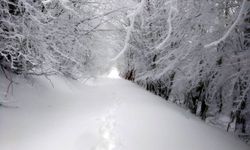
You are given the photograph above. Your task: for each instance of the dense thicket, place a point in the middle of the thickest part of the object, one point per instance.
(196, 54)
(42, 37)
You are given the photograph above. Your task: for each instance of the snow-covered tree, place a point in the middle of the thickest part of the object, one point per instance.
(42, 37)
(194, 53)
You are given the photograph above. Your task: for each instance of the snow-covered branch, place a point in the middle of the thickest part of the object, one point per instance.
(138, 10)
(239, 17)
(170, 28)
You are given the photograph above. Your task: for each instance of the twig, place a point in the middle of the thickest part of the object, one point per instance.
(46, 76)
(99, 16)
(10, 83)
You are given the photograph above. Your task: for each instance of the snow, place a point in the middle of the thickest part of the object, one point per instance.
(114, 74)
(101, 114)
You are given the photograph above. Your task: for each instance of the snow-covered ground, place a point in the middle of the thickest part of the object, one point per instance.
(101, 114)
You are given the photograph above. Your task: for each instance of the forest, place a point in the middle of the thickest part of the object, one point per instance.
(192, 53)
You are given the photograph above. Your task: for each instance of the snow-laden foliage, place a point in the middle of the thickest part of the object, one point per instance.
(196, 54)
(43, 37)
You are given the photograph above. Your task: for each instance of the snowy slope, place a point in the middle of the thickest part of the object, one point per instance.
(101, 114)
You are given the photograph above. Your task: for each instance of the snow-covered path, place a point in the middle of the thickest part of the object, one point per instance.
(102, 114)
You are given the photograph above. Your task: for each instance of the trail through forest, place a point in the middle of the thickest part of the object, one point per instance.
(101, 114)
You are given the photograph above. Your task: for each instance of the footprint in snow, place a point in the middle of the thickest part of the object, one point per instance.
(107, 140)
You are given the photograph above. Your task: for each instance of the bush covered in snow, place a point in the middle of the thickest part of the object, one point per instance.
(196, 54)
